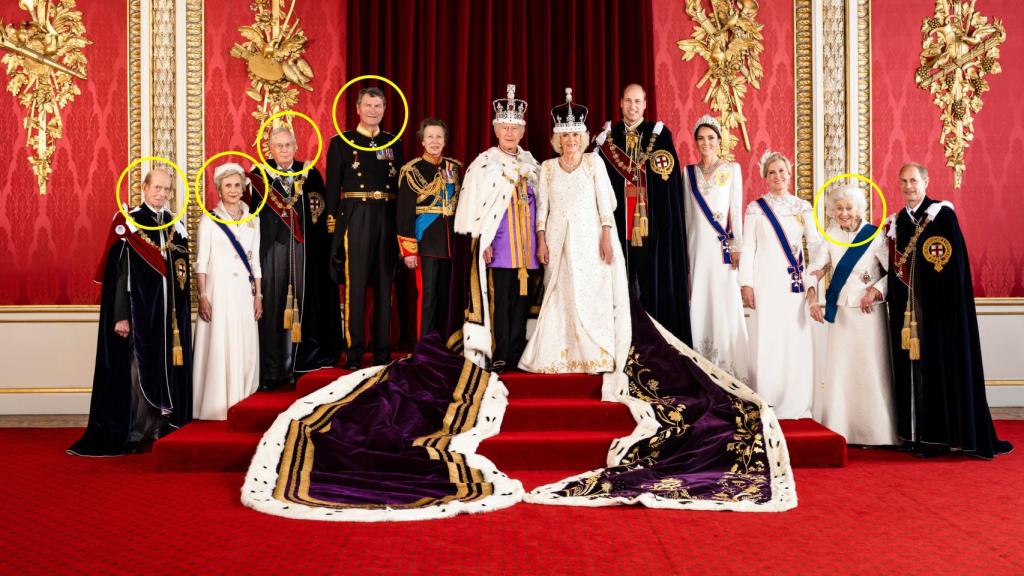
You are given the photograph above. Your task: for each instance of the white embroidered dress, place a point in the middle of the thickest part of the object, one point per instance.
(855, 398)
(584, 321)
(781, 349)
(716, 307)
(226, 360)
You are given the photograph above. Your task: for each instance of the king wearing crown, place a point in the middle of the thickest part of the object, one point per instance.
(644, 170)
(497, 209)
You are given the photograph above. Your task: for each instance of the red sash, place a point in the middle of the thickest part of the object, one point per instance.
(631, 190)
(284, 211)
(150, 254)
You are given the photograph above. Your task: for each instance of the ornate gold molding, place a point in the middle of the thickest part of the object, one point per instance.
(959, 48)
(803, 98)
(864, 77)
(273, 54)
(44, 56)
(134, 100)
(729, 40)
(163, 89)
(195, 126)
(834, 87)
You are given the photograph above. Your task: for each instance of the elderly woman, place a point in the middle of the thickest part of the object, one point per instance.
(586, 302)
(772, 284)
(227, 365)
(714, 230)
(856, 400)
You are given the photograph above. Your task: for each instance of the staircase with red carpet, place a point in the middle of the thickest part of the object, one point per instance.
(553, 422)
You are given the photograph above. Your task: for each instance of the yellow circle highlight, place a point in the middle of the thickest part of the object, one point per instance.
(334, 112)
(124, 212)
(199, 180)
(319, 142)
(821, 190)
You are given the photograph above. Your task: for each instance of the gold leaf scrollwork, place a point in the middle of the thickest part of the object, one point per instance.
(730, 41)
(273, 49)
(959, 48)
(43, 59)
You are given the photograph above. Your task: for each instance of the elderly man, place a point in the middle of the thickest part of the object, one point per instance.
(644, 170)
(362, 187)
(939, 380)
(300, 330)
(142, 383)
(497, 208)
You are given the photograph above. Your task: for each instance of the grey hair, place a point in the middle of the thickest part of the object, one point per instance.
(852, 194)
(281, 130)
(225, 170)
(158, 168)
(921, 170)
(556, 142)
(773, 158)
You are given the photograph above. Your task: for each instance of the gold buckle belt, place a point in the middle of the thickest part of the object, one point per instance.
(435, 210)
(374, 195)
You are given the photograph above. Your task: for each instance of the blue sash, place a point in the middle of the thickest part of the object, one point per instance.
(241, 252)
(724, 236)
(796, 266)
(843, 269)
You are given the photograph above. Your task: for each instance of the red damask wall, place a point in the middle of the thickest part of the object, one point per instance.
(229, 121)
(48, 244)
(906, 127)
(769, 110)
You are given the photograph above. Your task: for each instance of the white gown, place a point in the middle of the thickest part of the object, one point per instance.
(855, 399)
(716, 307)
(781, 349)
(584, 318)
(226, 362)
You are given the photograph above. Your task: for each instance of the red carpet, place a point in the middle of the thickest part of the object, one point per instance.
(885, 512)
(553, 422)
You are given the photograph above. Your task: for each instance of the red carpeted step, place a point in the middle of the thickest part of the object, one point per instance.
(549, 450)
(526, 385)
(313, 381)
(205, 447)
(811, 445)
(540, 414)
(257, 412)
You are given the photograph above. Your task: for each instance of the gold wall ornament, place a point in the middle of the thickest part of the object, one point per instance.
(44, 57)
(730, 41)
(273, 54)
(958, 49)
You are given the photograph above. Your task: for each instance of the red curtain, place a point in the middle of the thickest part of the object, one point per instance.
(451, 58)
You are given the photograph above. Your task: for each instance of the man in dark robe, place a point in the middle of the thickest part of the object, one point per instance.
(300, 330)
(142, 383)
(645, 173)
(362, 187)
(938, 376)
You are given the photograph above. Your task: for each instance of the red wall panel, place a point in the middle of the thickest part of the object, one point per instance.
(769, 110)
(906, 127)
(49, 245)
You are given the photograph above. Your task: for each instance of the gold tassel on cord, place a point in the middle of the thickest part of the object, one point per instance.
(177, 354)
(297, 331)
(644, 232)
(523, 277)
(905, 333)
(915, 342)
(636, 238)
(289, 313)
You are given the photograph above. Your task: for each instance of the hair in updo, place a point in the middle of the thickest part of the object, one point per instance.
(773, 158)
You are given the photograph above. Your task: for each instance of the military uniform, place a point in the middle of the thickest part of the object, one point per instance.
(427, 196)
(362, 188)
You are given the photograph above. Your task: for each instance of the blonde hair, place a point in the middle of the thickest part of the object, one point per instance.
(773, 158)
(556, 140)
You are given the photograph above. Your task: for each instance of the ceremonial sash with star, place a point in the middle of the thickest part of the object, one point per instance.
(725, 235)
(796, 266)
(119, 230)
(284, 210)
(629, 171)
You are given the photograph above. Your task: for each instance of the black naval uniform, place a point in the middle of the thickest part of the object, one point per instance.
(427, 196)
(142, 384)
(295, 250)
(362, 189)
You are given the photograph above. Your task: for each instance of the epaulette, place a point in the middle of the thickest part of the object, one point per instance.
(410, 163)
(453, 161)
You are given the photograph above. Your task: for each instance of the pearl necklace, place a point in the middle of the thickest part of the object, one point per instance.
(569, 167)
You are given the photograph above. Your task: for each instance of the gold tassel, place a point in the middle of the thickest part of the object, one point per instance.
(177, 354)
(523, 277)
(297, 332)
(636, 237)
(915, 342)
(289, 313)
(905, 333)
